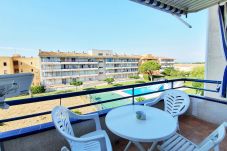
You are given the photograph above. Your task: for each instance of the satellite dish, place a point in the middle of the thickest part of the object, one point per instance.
(12, 85)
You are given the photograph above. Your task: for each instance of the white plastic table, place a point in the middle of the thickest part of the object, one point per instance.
(158, 126)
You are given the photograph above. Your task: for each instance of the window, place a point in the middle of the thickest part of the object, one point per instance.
(21, 70)
(21, 63)
(4, 64)
(31, 70)
(31, 63)
(100, 54)
(5, 71)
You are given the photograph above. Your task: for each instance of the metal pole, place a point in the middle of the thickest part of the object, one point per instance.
(172, 84)
(133, 98)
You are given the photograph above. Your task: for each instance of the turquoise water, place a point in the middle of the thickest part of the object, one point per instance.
(108, 96)
(143, 90)
(112, 95)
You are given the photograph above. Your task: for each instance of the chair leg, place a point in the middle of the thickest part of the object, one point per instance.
(216, 148)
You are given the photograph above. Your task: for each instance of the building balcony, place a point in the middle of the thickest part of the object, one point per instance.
(112, 68)
(202, 117)
(55, 63)
(122, 62)
(61, 70)
(118, 73)
(68, 76)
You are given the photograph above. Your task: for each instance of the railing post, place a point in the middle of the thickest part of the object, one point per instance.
(133, 98)
(171, 84)
(60, 101)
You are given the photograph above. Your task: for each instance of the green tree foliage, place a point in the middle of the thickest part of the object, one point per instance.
(37, 89)
(198, 72)
(149, 67)
(109, 80)
(198, 85)
(76, 83)
(167, 71)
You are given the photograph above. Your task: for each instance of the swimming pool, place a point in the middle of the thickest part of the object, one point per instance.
(108, 96)
(143, 90)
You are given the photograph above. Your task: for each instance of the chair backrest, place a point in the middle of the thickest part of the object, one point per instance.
(214, 139)
(176, 102)
(60, 117)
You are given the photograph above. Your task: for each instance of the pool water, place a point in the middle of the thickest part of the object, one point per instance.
(143, 90)
(108, 96)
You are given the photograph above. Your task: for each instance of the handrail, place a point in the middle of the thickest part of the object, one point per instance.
(74, 94)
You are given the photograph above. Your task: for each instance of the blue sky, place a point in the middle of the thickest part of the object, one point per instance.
(120, 25)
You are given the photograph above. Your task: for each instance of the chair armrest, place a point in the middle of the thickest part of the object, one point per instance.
(153, 102)
(64, 149)
(85, 139)
(94, 116)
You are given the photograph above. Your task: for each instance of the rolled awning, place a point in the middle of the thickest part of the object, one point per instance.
(179, 7)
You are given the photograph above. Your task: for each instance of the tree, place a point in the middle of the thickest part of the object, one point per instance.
(149, 67)
(167, 71)
(76, 83)
(198, 72)
(109, 80)
(198, 85)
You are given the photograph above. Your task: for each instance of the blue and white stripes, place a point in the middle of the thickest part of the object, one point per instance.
(161, 6)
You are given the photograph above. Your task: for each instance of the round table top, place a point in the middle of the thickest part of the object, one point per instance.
(159, 125)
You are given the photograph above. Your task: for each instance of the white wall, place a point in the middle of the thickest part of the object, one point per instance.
(215, 61)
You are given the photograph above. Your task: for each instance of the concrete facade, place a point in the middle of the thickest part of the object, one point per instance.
(215, 61)
(19, 64)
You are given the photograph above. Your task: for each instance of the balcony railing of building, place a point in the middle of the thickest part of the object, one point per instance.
(47, 126)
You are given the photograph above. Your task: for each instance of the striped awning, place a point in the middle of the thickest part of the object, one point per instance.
(179, 7)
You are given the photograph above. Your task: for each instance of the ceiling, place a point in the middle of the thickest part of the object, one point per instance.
(179, 7)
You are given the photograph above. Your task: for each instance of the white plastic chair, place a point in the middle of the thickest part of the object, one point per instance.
(179, 143)
(93, 141)
(176, 102)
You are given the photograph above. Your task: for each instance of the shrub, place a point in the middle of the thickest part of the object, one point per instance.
(109, 80)
(76, 83)
(134, 77)
(37, 89)
(140, 99)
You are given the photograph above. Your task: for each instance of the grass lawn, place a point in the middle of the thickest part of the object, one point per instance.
(74, 90)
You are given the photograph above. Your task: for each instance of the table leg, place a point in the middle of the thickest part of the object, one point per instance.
(139, 146)
(153, 146)
(128, 145)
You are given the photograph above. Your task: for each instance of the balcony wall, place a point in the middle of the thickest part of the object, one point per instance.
(51, 140)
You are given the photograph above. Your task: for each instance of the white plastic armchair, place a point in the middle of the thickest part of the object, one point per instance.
(176, 102)
(93, 141)
(179, 143)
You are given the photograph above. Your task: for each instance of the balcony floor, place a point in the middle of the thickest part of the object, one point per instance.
(192, 128)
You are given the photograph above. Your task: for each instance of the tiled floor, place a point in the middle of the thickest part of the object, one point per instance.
(192, 128)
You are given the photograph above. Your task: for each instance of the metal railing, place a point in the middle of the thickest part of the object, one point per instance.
(88, 92)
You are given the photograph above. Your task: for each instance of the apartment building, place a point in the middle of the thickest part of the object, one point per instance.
(6, 65)
(166, 62)
(19, 64)
(63, 67)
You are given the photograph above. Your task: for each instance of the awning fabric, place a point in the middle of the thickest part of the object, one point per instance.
(222, 13)
(179, 7)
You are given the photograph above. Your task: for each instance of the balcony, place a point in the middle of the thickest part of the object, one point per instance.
(196, 124)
